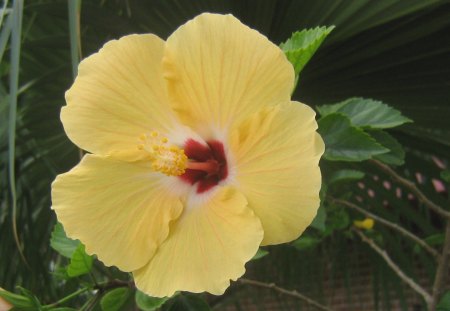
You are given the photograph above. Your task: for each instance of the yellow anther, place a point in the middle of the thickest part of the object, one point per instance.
(143, 137)
(166, 158)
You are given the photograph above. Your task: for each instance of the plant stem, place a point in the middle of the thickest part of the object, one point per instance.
(100, 288)
(391, 225)
(68, 297)
(281, 290)
(416, 287)
(441, 271)
(413, 188)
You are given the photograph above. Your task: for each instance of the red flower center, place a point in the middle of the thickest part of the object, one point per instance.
(207, 165)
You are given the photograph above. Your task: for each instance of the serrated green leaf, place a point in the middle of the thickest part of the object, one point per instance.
(444, 303)
(344, 142)
(189, 302)
(305, 242)
(368, 113)
(302, 45)
(319, 221)
(115, 299)
(260, 254)
(61, 243)
(80, 263)
(345, 176)
(396, 154)
(148, 303)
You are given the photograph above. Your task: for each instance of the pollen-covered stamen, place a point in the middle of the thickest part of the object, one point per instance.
(166, 158)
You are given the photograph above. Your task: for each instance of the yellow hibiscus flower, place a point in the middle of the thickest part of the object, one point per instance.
(198, 156)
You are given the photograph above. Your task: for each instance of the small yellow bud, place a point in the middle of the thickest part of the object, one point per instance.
(364, 224)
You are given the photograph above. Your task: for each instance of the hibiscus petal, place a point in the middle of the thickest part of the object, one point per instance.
(119, 210)
(119, 94)
(207, 246)
(277, 153)
(219, 71)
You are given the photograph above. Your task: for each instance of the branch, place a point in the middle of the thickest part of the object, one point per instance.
(416, 287)
(281, 290)
(441, 271)
(413, 188)
(389, 224)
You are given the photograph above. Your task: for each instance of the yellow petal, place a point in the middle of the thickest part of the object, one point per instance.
(277, 153)
(118, 95)
(119, 210)
(207, 246)
(219, 71)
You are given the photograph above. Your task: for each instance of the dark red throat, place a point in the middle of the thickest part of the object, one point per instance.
(207, 165)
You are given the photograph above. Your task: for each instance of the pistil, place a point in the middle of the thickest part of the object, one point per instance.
(210, 166)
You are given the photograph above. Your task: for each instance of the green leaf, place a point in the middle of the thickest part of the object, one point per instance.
(364, 112)
(435, 240)
(80, 263)
(396, 154)
(345, 176)
(319, 221)
(189, 302)
(61, 243)
(305, 242)
(444, 303)
(338, 220)
(62, 309)
(344, 142)
(18, 301)
(31, 297)
(148, 303)
(302, 45)
(115, 299)
(260, 254)
(445, 175)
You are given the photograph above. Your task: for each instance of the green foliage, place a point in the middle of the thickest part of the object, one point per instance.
(115, 299)
(302, 45)
(444, 303)
(396, 154)
(366, 113)
(188, 302)
(61, 243)
(80, 262)
(345, 175)
(305, 242)
(445, 175)
(319, 221)
(344, 142)
(25, 302)
(148, 303)
(260, 254)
